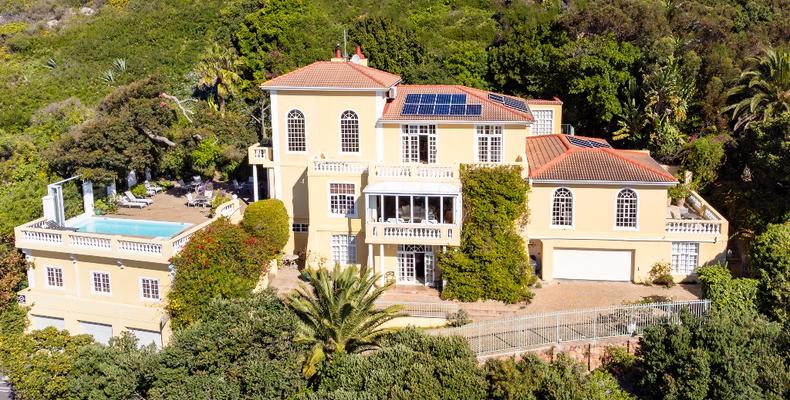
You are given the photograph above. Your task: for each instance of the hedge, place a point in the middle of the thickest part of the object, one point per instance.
(268, 221)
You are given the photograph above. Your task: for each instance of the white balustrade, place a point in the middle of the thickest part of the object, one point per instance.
(416, 171)
(91, 242)
(340, 166)
(142, 247)
(180, 242)
(412, 232)
(393, 171)
(437, 172)
(693, 226)
(43, 237)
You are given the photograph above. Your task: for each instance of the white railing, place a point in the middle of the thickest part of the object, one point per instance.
(412, 232)
(340, 166)
(397, 233)
(226, 209)
(429, 171)
(143, 247)
(521, 333)
(89, 241)
(422, 310)
(258, 154)
(42, 237)
(693, 226)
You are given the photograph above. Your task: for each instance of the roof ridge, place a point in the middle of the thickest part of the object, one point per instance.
(362, 70)
(291, 72)
(614, 152)
(565, 154)
(498, 105)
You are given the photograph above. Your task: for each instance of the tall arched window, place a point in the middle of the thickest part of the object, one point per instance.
(562, 208)
(349, 132)
(626, 212)
(296, 135)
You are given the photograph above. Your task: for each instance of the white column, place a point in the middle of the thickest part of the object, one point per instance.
(254, 182)
(381, 263)
(370, 259)
(87, 197)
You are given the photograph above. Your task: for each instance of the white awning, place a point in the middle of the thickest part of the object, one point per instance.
(402, 187)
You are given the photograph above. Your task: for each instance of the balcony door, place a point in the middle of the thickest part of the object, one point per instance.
(415, 265)
(418, 144)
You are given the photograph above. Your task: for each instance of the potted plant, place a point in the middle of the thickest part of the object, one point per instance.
(679, 193)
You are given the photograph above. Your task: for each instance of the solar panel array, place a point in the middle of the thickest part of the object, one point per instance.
(587, 143)
(515, 104)
(439, 104)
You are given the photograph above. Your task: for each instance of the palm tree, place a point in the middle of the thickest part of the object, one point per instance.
(337, 313)
(217, 70)
(631, 119)
(764, 89)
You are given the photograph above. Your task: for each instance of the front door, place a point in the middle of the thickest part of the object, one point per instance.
(415, 265)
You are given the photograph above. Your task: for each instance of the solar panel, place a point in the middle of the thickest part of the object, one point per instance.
(457, 109)
(425, 109)
(442, 109)
(428, 99)
(412, 98)
(516, 104)
(599, 144)
(579, 142)
(474, 109)
(443, 98)
(495, 97)
(458, 99)
(410, 109)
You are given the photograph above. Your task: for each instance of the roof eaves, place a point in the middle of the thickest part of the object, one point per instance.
(639, 165)
(528, 115)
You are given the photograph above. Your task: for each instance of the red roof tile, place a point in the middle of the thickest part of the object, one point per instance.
(491, 110)
(331, 74)
(553, 157)
(544, 101)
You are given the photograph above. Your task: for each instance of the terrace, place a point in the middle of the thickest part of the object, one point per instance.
(694, 218)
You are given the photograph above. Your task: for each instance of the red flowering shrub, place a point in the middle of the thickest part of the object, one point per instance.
(221, 261)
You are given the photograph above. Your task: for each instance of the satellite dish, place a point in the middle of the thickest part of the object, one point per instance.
(355, 59)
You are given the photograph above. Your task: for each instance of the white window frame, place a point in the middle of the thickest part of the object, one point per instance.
(572, 225)
(46, 277)
(682, 254)
(158, 289)
(540, 127)
(617, 210)
(288, 138)
(299, 227)
(409, 131)
(93, 283)
(353, 198)
(351, 135)
(340, 241)
(489, 132)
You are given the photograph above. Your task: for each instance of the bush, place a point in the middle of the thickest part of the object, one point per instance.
(221, 261)
(661, 274)
(727, 293)
(770, 262)
(458, 318)
(492, 262)
(13, 319)
(703, 158)
(218, 201)
(268, 221)
(139, 190)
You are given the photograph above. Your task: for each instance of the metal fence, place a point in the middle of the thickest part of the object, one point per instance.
(423, 310)
(534, 331)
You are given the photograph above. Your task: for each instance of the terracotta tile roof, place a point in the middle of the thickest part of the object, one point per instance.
(553, 101)
(330, 74)
(554, 157)
(491, 110)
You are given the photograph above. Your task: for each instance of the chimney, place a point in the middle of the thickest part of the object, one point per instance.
(338, 55)
(359, 56)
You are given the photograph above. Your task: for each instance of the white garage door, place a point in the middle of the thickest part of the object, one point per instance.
(100, 332)
(596, 265)
(41, 321)
(144, 338)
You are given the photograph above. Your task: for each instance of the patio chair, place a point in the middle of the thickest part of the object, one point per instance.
(131, 204)
(152, 187)
(193, 202)
(131, 198)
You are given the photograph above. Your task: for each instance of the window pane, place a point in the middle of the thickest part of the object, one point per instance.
(449, 216)
(349, 132)
(419, 209)
(562, 208)
(434, 209)
(296, 131)
(389, 209)
(404, 208)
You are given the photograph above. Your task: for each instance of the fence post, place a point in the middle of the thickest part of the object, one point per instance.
(557, 324)
(595, 326)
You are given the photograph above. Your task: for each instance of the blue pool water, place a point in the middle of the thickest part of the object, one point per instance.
(131, 227)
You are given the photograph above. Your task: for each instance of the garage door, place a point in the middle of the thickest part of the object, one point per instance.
(100, 332)
(42, 321)
(596, 265)
(144, 337)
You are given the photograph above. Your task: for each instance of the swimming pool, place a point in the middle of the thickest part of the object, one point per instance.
(131, 227)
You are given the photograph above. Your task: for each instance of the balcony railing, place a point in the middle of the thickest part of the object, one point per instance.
(433, 172)
(34, 236)
(402, 233)
(708, 221)
(260, 155)
(338, 167)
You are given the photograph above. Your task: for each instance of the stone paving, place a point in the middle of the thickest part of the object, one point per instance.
(169, 206)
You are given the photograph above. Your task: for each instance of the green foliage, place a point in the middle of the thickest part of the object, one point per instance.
(220, 261)
(703, 158)
(206, 156)
(492, 261)
(139, 191)
(533, 378)
(337, 313)
(679, 192)
(217, 71)
(268, 221)
(762, 92)
(12, 273)
(410, 365)
(770, 263)
(723, 356)
(458, 318)
(733, 295)
(661, 273)
(13, 320)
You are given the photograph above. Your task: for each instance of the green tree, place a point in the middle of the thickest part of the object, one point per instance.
(631, 119)
(703, 157)
(668, 95)
(764, 89)
(218, 72)
(220, 261)
(268, 221)
(770, 263)
(735, 295)
(338, 314)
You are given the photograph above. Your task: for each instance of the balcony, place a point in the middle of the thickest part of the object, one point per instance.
(411, 172)
(35, 236)
(401, 233)
(260, 155)
(696, 218)
(336, 167)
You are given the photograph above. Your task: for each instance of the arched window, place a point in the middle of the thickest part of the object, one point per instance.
(562, 208)
(296, 135)
(349, 132)
(626, 213)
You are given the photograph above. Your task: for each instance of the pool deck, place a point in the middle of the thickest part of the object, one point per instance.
(170, 206)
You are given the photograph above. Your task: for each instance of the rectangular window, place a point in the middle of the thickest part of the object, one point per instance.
(685, 256)
(55, 277)
(101, 282)
(544, 122)
(344, 249)
(418, 144)
(342, 199)
(299, 228)
(489, 144)
(149, 288)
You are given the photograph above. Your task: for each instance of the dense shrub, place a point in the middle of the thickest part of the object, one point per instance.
(770, 262)
(268, 221)
(492, 261)
(220, 261)
(737, 295)
(661, 273)
(703, 158)
(722, 356)
(13, 320)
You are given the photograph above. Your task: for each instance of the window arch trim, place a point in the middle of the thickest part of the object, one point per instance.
(634, 206)
(346, 139)
(292, 144)
(559, 212)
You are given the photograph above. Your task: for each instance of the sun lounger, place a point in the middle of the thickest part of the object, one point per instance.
(49, 224)
(131, 198)
(131, 204)
(152, 188)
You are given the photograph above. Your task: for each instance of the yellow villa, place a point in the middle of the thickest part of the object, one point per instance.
(368, 169)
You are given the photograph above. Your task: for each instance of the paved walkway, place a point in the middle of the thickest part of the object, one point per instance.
(560, 295)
